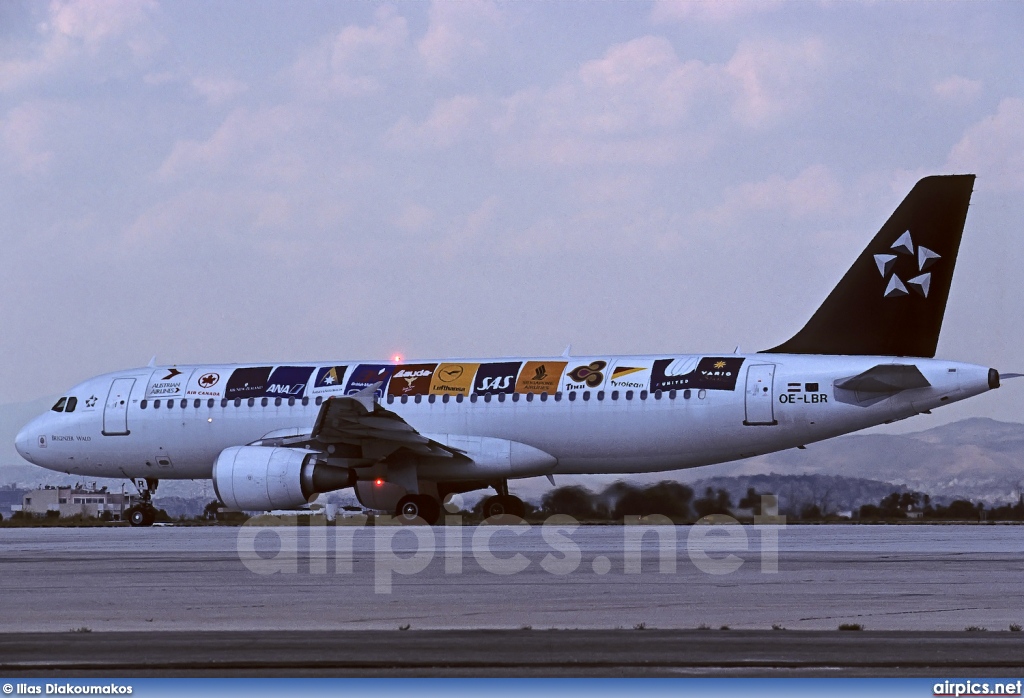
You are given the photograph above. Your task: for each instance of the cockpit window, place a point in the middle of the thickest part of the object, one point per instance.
(72, 404)
(59, 407)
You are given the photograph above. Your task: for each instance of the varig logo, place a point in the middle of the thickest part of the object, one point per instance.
(208, 380)
(921, 257)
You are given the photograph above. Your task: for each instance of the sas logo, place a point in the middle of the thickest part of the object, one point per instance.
(497, 377)
(208, 380)
(591, 374)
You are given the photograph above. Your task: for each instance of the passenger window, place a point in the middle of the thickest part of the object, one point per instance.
(501, 397)
(432, 399)
(643, 394)
(472, 398)
(529, 397)
(515, 397)
(586, 395)
(615, 395)
(319, 399)
(184, 403)
(445, 398)
(629, 394)
(702, 394)
(277, 402)
(305, 401)
(686, 394)
(600, 395)
(263, 402)
(197, 404)
(558, 396)
(459, 398)
(543, 397)
(657, 394)
(72, 404)
(291, 402)
(210, 403)
(238, 402)
(418, 399)
(487, 397)
(404, 399)
(143, 404)
(59, 407)
(572, 397)
(391, 399)
(251, 402)
(156, 404)
(671, 395)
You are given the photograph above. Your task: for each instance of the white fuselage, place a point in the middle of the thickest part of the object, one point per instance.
(611, 425)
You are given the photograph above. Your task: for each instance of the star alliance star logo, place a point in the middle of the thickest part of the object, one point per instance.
(91, 402)
(904, 247)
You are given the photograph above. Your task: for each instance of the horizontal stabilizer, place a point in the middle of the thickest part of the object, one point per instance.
(885, 378)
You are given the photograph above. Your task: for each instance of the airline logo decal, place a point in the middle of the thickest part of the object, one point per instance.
(289, 381)
(540, 377)
(497, 378)
(329, 379)
(205, 384)
(247, 382)
(365, 375)
(710, 373)
(453, 379)
(920, 258)
(587, 376)
(411, 379)
(166, 382)
(630, 375)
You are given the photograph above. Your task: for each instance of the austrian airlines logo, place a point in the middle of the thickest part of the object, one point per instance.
(904, 247)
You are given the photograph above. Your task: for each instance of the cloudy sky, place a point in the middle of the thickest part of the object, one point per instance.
(249, 181)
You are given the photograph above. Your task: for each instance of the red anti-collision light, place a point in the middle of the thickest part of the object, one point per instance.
(378, 482)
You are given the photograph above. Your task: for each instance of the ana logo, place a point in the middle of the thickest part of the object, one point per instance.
(208, 380)
(589, 374)
(921, 256)
(171, 373)
(452, 373)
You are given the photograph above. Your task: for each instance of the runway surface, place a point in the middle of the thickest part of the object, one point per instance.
(929, 578)
(518, 653)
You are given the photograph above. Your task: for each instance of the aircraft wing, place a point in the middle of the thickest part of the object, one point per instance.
(885, 378)
(360, 420)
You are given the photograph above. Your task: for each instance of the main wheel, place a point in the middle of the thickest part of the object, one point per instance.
(417, 509)
(503, 505)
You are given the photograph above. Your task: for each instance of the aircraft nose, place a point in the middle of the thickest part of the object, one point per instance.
(25, 440)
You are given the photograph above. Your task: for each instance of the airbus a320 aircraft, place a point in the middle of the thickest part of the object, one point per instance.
(406, 435)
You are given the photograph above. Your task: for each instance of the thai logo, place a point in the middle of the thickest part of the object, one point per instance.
(591, 374)
(208, 380)
(904, 248)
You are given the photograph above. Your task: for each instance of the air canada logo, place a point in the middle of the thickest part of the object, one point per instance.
(591, 374)
(922, 259)
(208, 380)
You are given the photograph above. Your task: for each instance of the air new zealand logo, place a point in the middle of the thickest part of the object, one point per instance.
(904, 247)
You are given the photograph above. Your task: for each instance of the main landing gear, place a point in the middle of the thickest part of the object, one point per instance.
(143, 513)
(418, 508)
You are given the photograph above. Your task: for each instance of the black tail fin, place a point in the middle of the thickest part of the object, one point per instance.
(892, 300)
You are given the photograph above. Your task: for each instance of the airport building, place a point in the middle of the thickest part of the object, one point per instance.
(73, 501)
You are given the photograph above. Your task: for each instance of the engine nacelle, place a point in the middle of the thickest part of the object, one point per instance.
(261, 478)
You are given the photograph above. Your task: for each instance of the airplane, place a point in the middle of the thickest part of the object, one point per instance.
(407, 434)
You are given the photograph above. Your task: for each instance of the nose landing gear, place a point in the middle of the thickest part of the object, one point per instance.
(143, 513)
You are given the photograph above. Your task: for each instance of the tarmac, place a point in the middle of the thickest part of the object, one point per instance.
(532, 600)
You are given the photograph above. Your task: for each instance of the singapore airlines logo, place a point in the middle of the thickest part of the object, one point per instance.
(904, 247)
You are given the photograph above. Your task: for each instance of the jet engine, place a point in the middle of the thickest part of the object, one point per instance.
(261, 478)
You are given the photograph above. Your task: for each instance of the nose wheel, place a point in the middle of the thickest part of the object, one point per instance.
(503, 505)
(143, 513)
